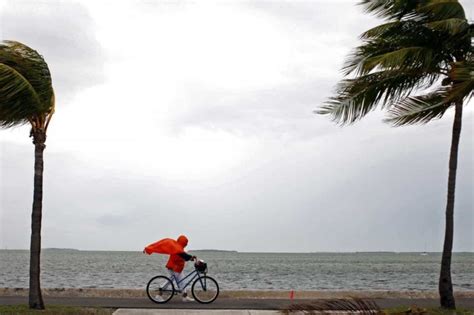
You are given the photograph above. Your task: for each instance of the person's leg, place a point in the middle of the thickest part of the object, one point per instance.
(165, 286)
(178, 276)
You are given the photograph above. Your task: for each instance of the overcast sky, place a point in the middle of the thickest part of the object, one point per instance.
(195, 117)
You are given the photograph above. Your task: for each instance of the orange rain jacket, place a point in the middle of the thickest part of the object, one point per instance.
(173, 248)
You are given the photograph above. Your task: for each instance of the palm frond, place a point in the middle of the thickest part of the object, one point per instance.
(381, 30)
(404, 44)
(462, 70)
(359, 306)
(421, 41)
(423, 109)
(18, 99)
(425, 10)
(410, 43)
(409, 57)
(31, 65)
(355, 98)
(462, 77)
(26, 92)
(419, 110)
(460, 91)
(451, 26)
(390, 9)
(437, 10)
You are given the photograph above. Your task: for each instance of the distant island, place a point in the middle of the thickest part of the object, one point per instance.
(214, 250)
(61, 249)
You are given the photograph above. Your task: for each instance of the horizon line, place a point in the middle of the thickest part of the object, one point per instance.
(248, 252)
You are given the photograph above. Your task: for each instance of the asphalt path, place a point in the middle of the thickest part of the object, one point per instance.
(223, 303)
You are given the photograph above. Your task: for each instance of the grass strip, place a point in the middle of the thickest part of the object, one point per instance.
(54, 310)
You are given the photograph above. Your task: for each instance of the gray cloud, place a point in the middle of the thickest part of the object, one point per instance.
(64, 33)
(309, 186)
(83, 207)
(337, 17)
(285, 110)
(352, 191)
(282, 111)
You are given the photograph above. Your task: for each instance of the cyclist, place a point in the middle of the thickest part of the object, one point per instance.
(175, 266)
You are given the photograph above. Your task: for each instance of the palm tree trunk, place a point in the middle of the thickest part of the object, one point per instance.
(35, 297)
(445, 283)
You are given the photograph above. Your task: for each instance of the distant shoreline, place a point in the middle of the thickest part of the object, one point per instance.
(213, 250)
(240, 252)
(61, 249)
(244, 294)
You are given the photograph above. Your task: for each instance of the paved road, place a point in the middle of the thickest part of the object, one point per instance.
(223, 303)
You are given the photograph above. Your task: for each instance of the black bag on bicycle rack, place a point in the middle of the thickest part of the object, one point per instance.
(201, 267)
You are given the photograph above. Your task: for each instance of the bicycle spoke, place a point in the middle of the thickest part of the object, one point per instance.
(205, 289)
(160, 289)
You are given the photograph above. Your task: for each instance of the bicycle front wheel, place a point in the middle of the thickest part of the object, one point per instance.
(160, 289)
(205, 289)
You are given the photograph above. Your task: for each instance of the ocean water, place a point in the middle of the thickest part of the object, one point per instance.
(243, 271)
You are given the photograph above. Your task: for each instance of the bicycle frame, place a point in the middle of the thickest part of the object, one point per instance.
(190, 276)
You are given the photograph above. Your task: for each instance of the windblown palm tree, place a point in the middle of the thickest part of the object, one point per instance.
(417, 65)
(27, 96)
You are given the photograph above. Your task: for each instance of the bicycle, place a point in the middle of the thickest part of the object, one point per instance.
(160, 289)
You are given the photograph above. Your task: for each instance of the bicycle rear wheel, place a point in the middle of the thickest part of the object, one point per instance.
(205, 290)
(160, 289)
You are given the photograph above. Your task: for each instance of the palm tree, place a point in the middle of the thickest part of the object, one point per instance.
(424, 47)
(27, 96)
